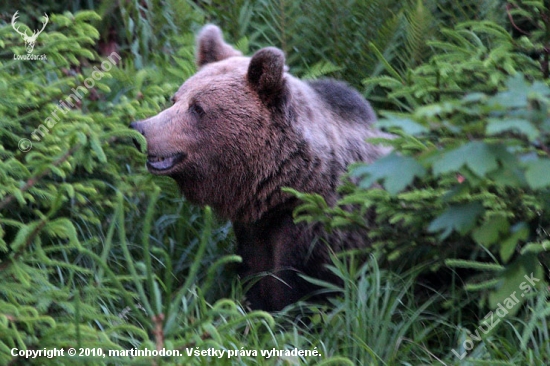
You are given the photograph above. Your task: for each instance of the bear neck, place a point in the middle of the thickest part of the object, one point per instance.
(289, 162)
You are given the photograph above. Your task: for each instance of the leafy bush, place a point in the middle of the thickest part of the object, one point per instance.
(94, 251)
(467, 185)
(75, 272)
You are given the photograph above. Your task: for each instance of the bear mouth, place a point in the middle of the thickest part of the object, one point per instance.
(162, 164)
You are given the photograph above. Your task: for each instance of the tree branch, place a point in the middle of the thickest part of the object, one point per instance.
(32, 181)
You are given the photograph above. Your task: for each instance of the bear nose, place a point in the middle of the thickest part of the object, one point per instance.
(139, 128)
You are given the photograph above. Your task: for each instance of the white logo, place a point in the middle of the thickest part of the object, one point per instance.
(29, 40)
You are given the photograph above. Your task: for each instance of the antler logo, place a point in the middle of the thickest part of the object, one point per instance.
(29, 40)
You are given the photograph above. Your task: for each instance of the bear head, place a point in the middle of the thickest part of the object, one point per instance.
(227, 131)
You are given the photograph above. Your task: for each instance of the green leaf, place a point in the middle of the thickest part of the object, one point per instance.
(407, 125)
(478, 266)
(389, 68)
(96, 146)
(538, 173)
(480, 157)
(536, 248)
(62, 228)
(522, 126)
(516, 94)
(489, 232)
(520, 231)
(320, 69)
(517, 280)
(23, 235)
(86, 15)
(460, 218)
(395, 170)
(474, 97)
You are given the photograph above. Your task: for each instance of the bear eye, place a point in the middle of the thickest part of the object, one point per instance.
(173, 99)
(196, 110)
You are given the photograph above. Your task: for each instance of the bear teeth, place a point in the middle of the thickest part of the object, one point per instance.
(155, 159)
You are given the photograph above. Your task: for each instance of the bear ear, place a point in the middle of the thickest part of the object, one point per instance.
(266, 73)
(211, 46)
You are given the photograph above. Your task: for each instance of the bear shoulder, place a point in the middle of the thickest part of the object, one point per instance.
(343, 100)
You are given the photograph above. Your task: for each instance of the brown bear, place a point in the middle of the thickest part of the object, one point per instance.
(242, 128)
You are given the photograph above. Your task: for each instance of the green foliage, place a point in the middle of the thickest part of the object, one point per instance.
(472, 57)
(74, 270)
(396, 171)
(383, 301)
(532, 31)
(467, 185)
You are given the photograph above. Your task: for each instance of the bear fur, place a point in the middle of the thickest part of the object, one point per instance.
(242, 128)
